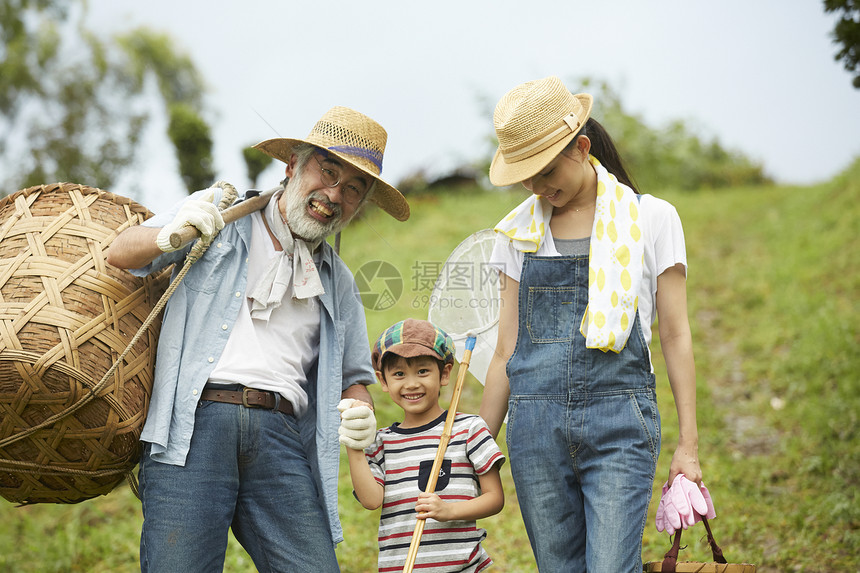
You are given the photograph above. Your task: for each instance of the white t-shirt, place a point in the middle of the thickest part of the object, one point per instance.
(664, 248)
(274, 355)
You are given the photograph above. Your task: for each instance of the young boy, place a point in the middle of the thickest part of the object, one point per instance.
(413, 360)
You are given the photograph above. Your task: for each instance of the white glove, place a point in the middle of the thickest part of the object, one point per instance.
(200, 213)
(357, 424)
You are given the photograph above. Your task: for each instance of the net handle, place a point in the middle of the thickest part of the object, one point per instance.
(440, 452)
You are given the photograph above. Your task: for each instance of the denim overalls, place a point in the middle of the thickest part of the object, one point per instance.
(583, 428)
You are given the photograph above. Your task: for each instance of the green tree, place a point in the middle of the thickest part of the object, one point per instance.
(182, 89)
(152, 52)
(74, 103)
(62, 99)
(193, 143)
(672, 156)
(256, 162)
(846, 33)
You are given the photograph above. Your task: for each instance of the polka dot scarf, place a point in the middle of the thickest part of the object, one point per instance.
(615, 259)
(615, 264)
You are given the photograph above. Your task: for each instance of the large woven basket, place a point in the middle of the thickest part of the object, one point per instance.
(65, 316)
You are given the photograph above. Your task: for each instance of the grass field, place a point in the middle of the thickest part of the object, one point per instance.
(773, 286)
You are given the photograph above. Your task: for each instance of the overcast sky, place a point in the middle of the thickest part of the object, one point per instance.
(757, 74)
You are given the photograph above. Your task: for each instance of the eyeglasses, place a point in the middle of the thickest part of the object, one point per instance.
(331, 175)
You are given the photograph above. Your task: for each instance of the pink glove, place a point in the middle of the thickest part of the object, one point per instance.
(683, 505)
(660, 518)
(675, 506)
(695, 501)
(710, 513)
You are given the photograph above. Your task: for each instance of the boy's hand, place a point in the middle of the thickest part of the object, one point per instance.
(430, 505)
(357, 424)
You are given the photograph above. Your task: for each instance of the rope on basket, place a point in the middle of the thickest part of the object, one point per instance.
(229, 196)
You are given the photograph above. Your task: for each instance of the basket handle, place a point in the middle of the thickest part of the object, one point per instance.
(671, 557)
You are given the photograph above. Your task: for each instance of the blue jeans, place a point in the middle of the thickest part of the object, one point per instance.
(247, 470)
(583, 428)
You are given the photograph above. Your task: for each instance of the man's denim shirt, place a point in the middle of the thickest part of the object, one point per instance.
(197, 322)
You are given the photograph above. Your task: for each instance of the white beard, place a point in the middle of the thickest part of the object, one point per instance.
(301, 224)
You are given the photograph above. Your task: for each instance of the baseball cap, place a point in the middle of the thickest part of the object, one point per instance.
(413, 337)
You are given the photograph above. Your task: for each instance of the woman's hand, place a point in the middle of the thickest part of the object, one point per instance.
(686, 461)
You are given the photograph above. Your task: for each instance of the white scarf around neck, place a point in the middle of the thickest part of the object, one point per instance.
(292, 268)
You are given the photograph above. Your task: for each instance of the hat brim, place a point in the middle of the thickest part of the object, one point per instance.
(503, 174)
(385, 195)
(408, 350)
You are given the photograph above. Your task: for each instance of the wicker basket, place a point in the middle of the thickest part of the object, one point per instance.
(65, 316)
(670, 563)
(701, 567)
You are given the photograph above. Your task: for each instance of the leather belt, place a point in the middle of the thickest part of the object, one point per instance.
(249, 398)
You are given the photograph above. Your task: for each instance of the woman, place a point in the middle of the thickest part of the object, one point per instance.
(587, 260)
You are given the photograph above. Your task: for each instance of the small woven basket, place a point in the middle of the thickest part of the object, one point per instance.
(65, 316)
(670, 563)
(701, 567)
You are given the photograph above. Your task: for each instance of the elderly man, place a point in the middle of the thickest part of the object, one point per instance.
(262, 339)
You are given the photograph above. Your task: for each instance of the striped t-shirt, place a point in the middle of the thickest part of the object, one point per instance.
(401, 460)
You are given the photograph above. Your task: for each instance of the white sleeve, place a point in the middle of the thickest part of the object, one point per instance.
(505, 258)
(375, 455)
(667, 234)
(664, 248)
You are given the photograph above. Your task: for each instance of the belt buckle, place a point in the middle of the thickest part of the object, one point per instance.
(245, 399)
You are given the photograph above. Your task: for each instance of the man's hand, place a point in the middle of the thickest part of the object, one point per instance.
(357, 424)
(200, 213)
